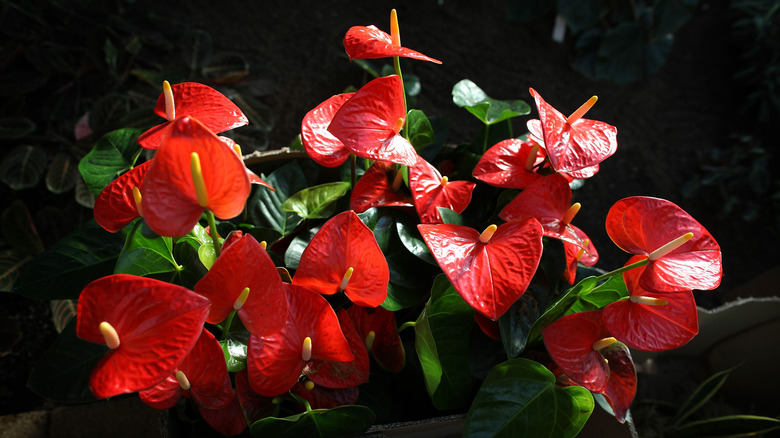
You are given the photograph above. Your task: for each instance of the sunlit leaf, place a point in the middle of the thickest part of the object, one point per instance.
(349, 420)
(316, 202)
(468, 95)
(264, 205)
(111, 155)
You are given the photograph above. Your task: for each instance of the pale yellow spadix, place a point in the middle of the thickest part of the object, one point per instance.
(109, 335)
(576, 115)
(669, 247)
(184, 382)
(170, 109)
(603, 343)
(237, 149)
(570, 213)
(198, 181)
(488, 233)
(239, 303)
(345, 279)
(137, 200)
(370, 337)
(444, 180)
(395, 33)
(581, 252)
(398, 125)
(531, 160)
(650, 301)
(306, 350)
(264, 244)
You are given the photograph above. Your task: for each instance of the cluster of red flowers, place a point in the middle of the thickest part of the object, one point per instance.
(297, 342)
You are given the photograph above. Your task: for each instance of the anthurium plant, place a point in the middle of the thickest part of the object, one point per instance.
(424, 277)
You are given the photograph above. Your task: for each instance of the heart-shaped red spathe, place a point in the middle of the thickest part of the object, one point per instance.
(245, 264)
(157, 324)
(205, 370)
(367, 124)
(253, 177)
(228, 420)
(621, 386)
(345, 242)
(430, 191)
(212, 108)
(386, 348)
(504, 164)
(254, 405)
(325, 149)
(570, 339)
(489, 276)
(342, 374)
(275, 362)
(649, 327)
(375, 189)
(639, 225)
(576, 253)
(115, 207)
(368, 42)
(170, 204)
(571, 147)
(537, 134)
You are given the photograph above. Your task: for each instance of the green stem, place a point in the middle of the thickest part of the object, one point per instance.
(397, 68)
(213, 232)
(352, 166)
(485, 140)
(611, 274)
(226, 326)
(406, 325)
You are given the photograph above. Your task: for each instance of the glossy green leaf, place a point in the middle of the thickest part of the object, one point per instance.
(107, 113)
(201, 241)
(560, 307)
(146, 255)
(11, 263)
(702, 395)
(264, 205)
(185, 251)
(294, 251)
(23, 167)
(62, 271)
(519, 398)
(412, 240)
(601, 296)
(62, 374)
(450, 217)
(62, 174)
(420, 130)
(441, 332)
(468, 95)
(234, 348)
(15, 127)
(516, 324)
(732, 426)
(316, 202)
(62, 311)
(19, 230)
(348, 420)
(400, 297)
(113, 154)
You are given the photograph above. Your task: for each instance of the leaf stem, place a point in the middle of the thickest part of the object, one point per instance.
(611, 274)
(226, 325)
(406, 325)
(213, 232)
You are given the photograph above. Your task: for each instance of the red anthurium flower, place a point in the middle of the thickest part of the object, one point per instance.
(320, 397)
(430, 190)
(325, 149)
(255, 406)
(621, 386)
(573, 342)
(253, 178)
(489, 327)
(380, 186)
(537, 134)
(312, 331)
(192, 170)
(368, 42)
(228, 420)
(510, 164)
(342, 374)
(344, 256)
(489, 270)
(202, 375)
(583, 252)
(149, 326)
(244, 278)
(212, 108)
(117, 205)
(377, 327)
(574, 143)
(651, 227)
(651, 321)
(369, 122)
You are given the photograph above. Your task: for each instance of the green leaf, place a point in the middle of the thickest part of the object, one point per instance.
(62, 311)
(561, 306)
(146, 255)
(450, 217)
(519, 398)
(265, 205)
(292, 256)
(107, 113)
(702, 395)
(732, 426)
(23, 167)
(83, 196)
(420, 130)
(11, 263)
(62, 271)
(316, 202)
(580, 14)
(468, 95)
(627, 53)
(601, 296)
(235, 348)
(413, 241)
(113, 154)
(62, 374)
(516, 324)
(441, 332)
(15, 127)
(348, 420)
(19, 230)
(62, 174)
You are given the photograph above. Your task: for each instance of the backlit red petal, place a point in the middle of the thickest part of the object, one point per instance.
(115, 206)
(325, 149)
(368, 42)
(429, 193)
(504, 164)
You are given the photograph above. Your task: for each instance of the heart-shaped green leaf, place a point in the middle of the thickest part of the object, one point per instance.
(23, 167)
(112, 154)
(235, 347)
(316, 202)
(468, 95)
(520, 398)
(264, 206)
(419, 129)
(62, 174)
(144, 255)
(11, 262)
(348, 420)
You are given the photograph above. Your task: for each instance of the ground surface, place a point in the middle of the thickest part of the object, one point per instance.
(662, 121)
